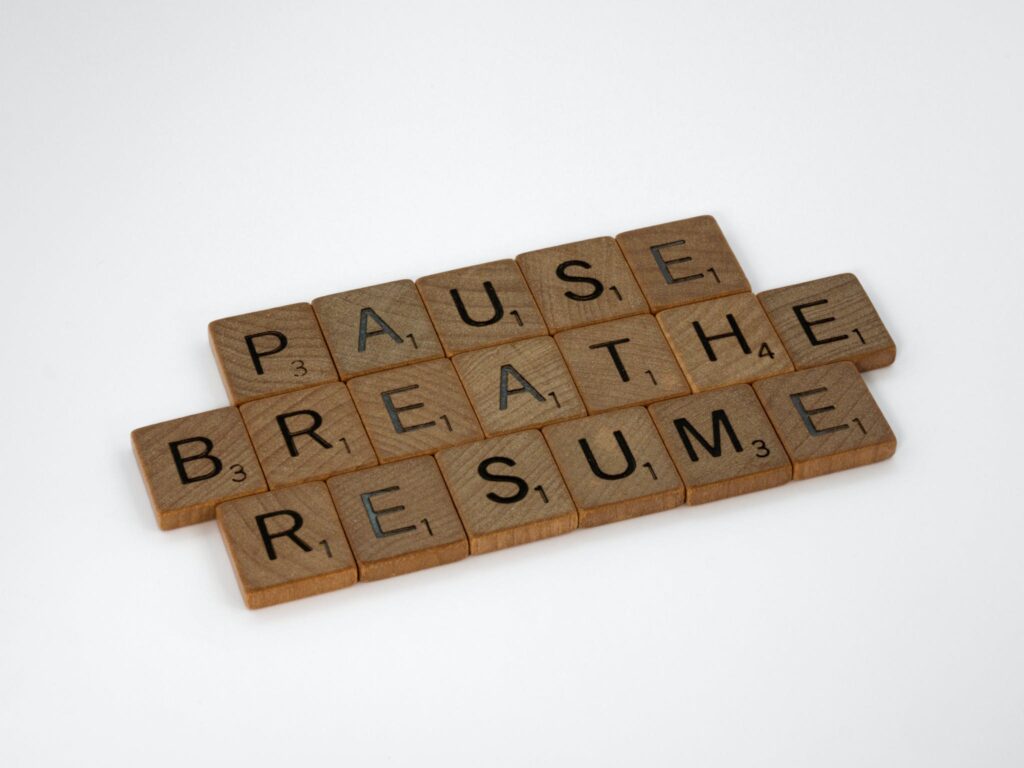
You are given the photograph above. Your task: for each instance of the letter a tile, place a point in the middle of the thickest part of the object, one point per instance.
(722, 443)
(507, 490)
(829, 321)
(398, 518)
(271, 352)
(415, 409)
(615, 466)
(193, 463)
(308, 435)
(827, 419)
(682, 262)
(376, 328)
(481, 306)
(286, 544)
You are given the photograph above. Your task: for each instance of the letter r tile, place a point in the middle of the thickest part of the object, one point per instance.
(415, 409)
(398, 518)
(193, 463)
(615, 466)
(271, 352)
(286, 544)
(827, 419)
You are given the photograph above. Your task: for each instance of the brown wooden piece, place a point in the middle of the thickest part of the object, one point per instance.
(615, 466)
(581, 283)
(271, 352)
(507, 491)
(308, 435)
(376, 328)
(682, 262)
(519, 385)
(827, 419)
(724, 341)
(828, 321)
(286, 544)
(193, 463)
(621, 363)
(481, 306)
(415, 409)
(722, 443)
(398, 518)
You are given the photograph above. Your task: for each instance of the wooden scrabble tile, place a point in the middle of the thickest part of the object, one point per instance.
(270, 352)
(193, 463)
(682, 262)
(376, 328)
(307, 435)
(615, 466)
(724, 341)
(827, 419)
(581, 283)
(829, 321)
(398, 518)
(722, 443)
(621, 363)
(481, 306)
(415, 409)
(507, 491)
(286, 544)
(519, 385)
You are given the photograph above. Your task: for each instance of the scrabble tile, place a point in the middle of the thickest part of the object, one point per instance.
(724, 341)
(581, 283)
(722, 443)
(519, 385)
(307, 435)
(286, 544)
(481, 306)
(829, 321)
(271, 352)
(682, 262)
(621, 363)
(507, 491)
(398, 518)
(827, 419)
(376, 328)
(191, 464)
(615, 466)
(415, 409)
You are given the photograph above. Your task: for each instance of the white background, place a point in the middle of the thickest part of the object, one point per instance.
(165, 164)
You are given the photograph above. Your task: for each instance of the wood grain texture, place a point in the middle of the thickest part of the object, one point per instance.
(621, 363)
(307, 435)
(682, 262)
(271, 352)
(508, 491)
(615, 466)
(376, 328)
(193, 463)
(724, 341)
(518, 386)
(481, 306)
(827, 419)
(286, 544)
(829, 320)
(398, 518)
(414, 410)
(582, 283)
(722, 443)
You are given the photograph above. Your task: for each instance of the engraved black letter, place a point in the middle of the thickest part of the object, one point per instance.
(521, 487)
(806, 324)
(180, 461)
(805, 415)
(394, 411)
(598, 287)
(365, 314)
(663, 263)
(282, 342)
(504, 391)
(268, 537)
(627, 453)
(706, 340)
(611, 346)
(374, 514)
(719, 419)
(290, 435)
(499, 310)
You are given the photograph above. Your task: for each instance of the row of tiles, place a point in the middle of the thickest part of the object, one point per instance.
(423, 407)
(489, 494)
(675, 270)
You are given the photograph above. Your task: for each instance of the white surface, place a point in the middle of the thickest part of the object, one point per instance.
(165, 164)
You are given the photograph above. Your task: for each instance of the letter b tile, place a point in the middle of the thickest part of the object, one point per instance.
(286, 544)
